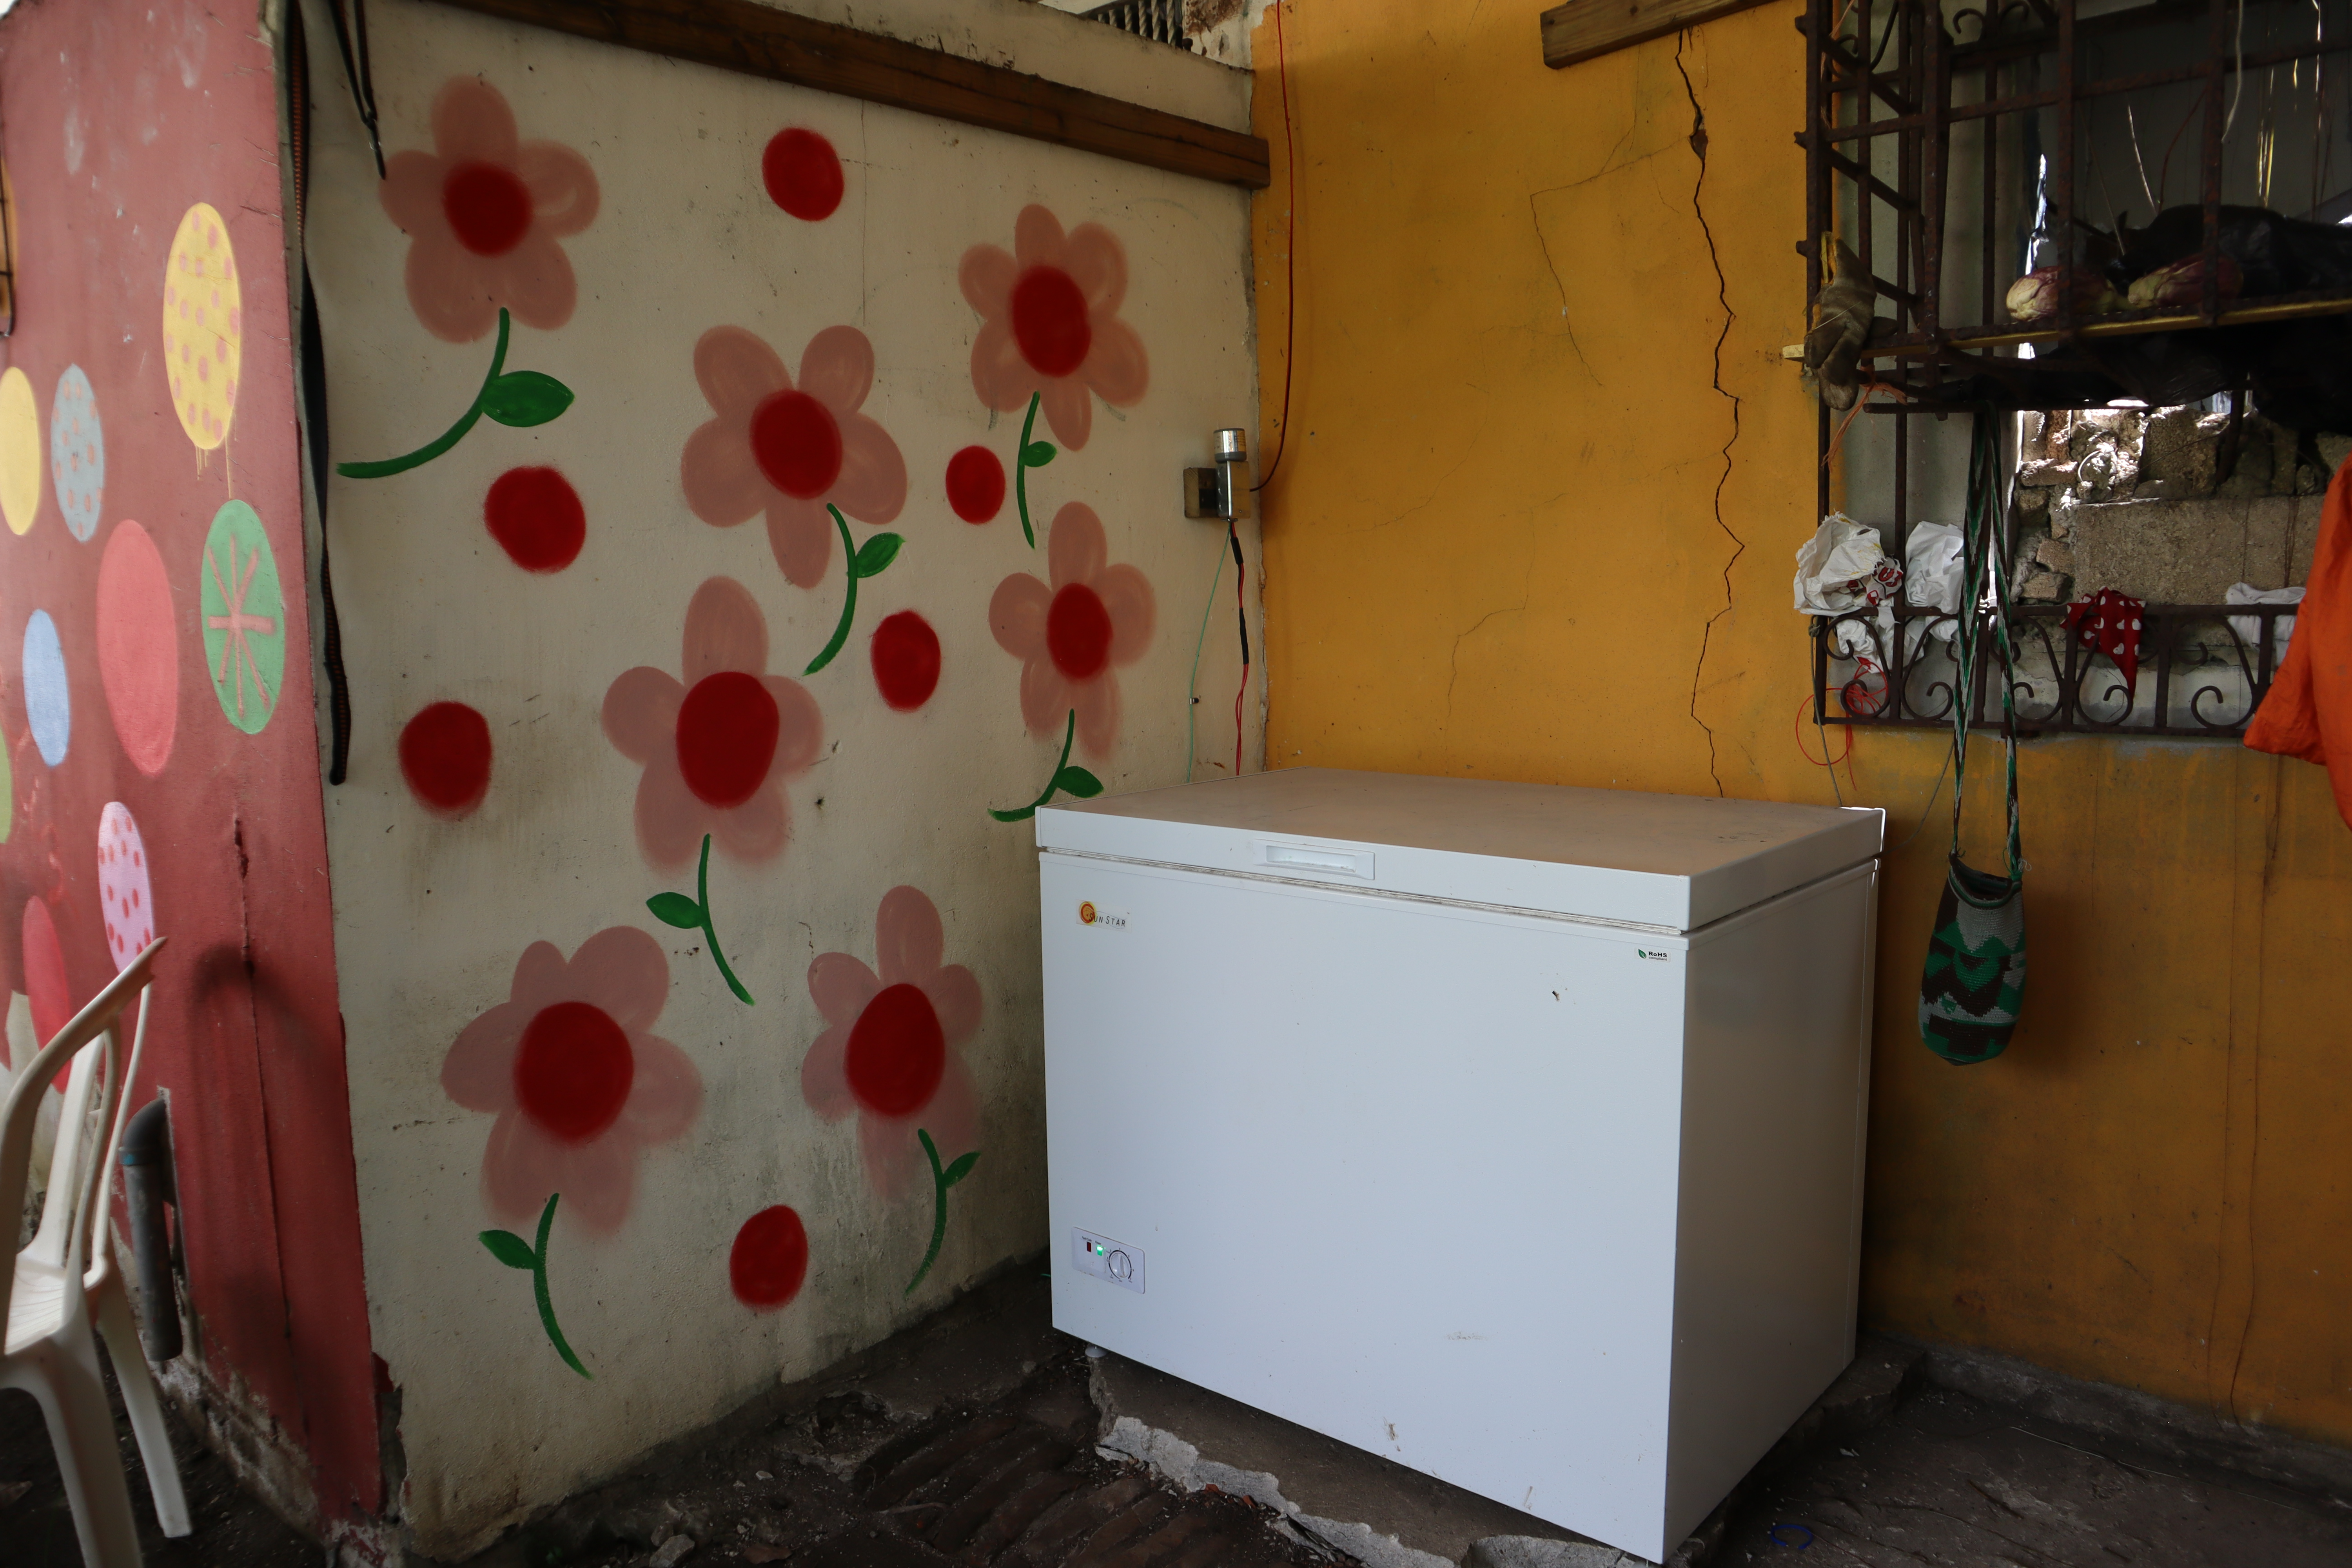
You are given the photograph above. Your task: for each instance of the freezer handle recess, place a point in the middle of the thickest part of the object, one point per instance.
(1330, 862)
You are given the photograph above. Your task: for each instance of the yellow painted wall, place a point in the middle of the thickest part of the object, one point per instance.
(1544, 476)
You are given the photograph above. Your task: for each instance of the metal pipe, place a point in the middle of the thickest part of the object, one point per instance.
(148, 1187)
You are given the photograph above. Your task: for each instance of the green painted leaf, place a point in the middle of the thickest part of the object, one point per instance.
(876, 554)
(960, 1169)
(510, 1249)
(1036, 454)
(1075, 781)
(525, 398)
(1023, 815)
(675, 909)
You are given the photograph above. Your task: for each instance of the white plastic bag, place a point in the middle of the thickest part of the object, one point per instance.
(1840, 569)
(1931, 581)
(1845, 568)
(1931, 567)
(2250, 628)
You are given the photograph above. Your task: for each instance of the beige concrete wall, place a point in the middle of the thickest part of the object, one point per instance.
(434, 912)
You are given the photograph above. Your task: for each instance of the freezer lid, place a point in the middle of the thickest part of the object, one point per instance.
(1672, 861)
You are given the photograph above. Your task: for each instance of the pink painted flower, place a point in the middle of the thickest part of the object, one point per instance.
(788, 450)
(1049, 323)
(718, 745)
(1069, 636)
(579, 1083)
(891, 1054)
(483, 212)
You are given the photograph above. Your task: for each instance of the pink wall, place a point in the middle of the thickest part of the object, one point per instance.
(116, 118)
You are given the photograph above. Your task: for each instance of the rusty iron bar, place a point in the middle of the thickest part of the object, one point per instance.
(1817, 223)
(2209, 171)
(2108, 88)
(1935, 168)
(1860, 77)
(2163, 638)
(2159, 318)
(2061, 171)
(1859, 175)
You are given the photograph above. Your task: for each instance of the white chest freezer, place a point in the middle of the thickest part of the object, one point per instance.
(1511, 1132)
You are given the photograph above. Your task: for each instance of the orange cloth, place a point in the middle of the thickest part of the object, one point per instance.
(2308, 711)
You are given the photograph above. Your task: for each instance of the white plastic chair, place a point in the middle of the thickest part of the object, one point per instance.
(65, 1283)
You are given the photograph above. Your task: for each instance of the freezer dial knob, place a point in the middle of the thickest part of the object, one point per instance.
(1111, 1261)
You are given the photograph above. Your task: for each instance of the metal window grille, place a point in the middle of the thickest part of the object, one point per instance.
(2030, 94)
(1162, 21)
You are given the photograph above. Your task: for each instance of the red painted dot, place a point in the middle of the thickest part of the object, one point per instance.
(906, 660)
(1077, 632)
(46, 989)
(975, 484)
(1049, 321)
(727, 729)
(897, 1053)
(444, 755)
(797, 444)
(573, 1073)
(489, 207)
(536, 516)
(803, 172)
(770, 1258)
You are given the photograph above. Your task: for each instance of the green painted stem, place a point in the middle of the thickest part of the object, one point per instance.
(702, 896)
(849, 604)
(1021, 470)
(1069, 733)
(942, 1180)
(539, 1268)
(450, 437)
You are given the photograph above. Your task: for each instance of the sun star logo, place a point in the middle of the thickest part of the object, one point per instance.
(1085, 914)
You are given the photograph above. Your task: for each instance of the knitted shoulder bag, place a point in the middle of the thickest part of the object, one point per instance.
(1974, 982)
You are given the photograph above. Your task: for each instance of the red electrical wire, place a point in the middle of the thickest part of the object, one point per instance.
(1290, 263)
(1797, 728)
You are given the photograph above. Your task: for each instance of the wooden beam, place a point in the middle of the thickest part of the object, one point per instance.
(1582, 29)
(759, 40)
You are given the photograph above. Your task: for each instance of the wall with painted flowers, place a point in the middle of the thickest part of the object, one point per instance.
(746, 506)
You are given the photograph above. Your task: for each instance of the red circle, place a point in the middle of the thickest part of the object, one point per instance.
(573, 1073)
(444, 755)
(906, 660)
(975, 484)
(1077, 632)
(489, 207)
(1049, 321)
(898, 1053)
(46, 989)
(797, 444)
(803, 172)
(536, 516)
(137, 655)
(770, 1258)
(727, 729)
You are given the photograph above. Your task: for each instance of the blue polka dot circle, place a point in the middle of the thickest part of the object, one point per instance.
(77, 453)
(49, 707)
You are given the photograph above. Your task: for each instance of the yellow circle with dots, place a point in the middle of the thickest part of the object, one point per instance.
(20, 450)
(204, 327)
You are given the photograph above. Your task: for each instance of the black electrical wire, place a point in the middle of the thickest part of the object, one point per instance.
(356, 71)
(1240, 616)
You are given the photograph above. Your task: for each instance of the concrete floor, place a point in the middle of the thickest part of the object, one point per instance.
(982, 1436)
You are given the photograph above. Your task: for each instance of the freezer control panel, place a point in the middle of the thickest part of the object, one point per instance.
(1106, 1259)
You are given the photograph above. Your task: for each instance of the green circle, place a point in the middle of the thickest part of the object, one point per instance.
(244, 617)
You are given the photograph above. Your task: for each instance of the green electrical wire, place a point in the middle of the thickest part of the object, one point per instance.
(1193, 692)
